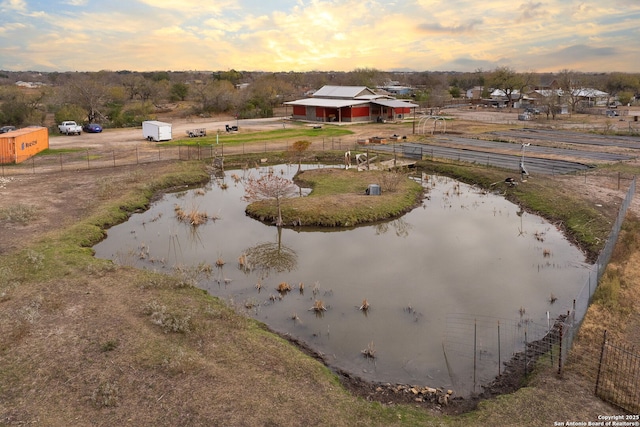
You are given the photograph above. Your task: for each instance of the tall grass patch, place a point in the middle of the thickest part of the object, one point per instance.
(19, 213)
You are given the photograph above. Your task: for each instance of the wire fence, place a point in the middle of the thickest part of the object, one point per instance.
(618, 380)
(144, 153)
(484, 351)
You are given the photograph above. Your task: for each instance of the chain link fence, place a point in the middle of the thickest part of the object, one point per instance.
(503, 350)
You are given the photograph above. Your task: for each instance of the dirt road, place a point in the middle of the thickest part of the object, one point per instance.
(132, 137)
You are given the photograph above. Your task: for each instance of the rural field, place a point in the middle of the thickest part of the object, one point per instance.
(85, 342)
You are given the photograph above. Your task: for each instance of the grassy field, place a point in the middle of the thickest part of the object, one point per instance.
(234, 139)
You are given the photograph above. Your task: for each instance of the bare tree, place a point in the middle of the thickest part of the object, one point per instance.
(264, 94)
(89, 91)
(22, 108)
(571, 83)
(216, 96)
(506, 80)
(132, 84)
(617, 83)
(551, 101)
(298, 148)
(270, 187)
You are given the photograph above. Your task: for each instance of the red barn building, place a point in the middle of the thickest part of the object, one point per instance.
(349, 104)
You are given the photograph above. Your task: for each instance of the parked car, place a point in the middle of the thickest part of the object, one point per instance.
(92, 128)
(611, 113)
(70, 128)
(5, 129)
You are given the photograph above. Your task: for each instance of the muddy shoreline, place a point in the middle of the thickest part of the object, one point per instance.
(438, 400)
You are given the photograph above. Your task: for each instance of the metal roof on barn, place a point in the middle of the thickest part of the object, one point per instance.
(327, 103)
(350, 92)
(348, 96)
(394, 103)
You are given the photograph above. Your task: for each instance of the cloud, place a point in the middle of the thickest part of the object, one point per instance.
(13, 5)
(15, 26)
(436, 28)
(530, 11)
(193, 7)
(304, 35)
(581, 52)
(77, 3)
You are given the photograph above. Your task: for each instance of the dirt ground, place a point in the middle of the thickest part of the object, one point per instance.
(59, 199)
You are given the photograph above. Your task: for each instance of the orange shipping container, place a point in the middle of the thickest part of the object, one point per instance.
(21, 144)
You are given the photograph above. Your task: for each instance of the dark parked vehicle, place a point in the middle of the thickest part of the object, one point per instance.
(5, 129)
(92, 128)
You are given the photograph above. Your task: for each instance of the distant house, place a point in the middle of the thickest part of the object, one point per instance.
(590, 97)
(349, 104)
(29, 85)
(475, 92)
(499, 98)
(396, 89)
(586, 97)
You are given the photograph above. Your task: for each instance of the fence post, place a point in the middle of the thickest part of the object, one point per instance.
(560, 338)
(137, 160)
(550, 338)
(60, 155)
(604, 343)
(88, 164)
(619, 180)
(499, 354)
(475, 335)
(114, 157)
(525, 351)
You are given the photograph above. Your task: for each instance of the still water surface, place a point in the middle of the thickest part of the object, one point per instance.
(429, 276)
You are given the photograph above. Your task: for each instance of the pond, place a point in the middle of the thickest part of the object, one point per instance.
(464, 257)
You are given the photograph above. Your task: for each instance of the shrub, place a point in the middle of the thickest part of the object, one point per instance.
(21, 214)
(106, 395)
(169, 322)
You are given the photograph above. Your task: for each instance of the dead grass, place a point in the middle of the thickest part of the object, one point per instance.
(19, 213)
(192, 216)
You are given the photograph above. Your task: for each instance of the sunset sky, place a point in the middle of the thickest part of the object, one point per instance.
(320, 35)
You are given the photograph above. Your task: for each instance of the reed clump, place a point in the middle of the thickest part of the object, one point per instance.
(193, 216)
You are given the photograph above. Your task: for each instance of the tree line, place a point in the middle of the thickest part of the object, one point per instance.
(126, 98)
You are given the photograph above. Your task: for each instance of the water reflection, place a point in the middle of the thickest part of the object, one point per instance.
(465, 258)
(400, 226)
(265, 257)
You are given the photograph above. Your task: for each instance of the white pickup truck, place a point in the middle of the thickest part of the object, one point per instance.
(70, 128)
